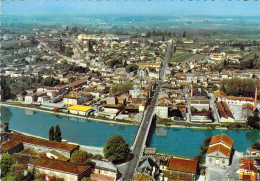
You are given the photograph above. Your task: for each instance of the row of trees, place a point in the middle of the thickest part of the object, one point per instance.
(238, 86)
(14, 86)
(55, 135)
(66, 67)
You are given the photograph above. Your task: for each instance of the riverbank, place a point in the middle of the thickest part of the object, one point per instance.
(69, 115)
(123, 122)
(91, 149)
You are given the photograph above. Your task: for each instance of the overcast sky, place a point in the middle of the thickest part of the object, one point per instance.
(135, 7)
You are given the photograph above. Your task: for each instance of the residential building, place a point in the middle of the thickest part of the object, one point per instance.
(105, 168)
(219, 151)
(41, 145)
(60, 169)
(253, 153)
(199, 103)
(224, 112)
(247, 170)
(79, 109)
(180, 169)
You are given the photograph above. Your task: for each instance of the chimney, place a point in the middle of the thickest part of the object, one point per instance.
(255, 103)
(191, 93)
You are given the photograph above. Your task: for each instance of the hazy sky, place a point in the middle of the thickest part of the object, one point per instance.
(136, 7)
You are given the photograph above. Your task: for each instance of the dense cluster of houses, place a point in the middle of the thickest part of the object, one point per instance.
(51, 158)
(93, 89)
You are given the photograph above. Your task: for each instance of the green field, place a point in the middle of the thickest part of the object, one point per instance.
(186, 57)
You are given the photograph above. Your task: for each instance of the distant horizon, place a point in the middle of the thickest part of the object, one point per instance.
(148, 15)
(132, 8)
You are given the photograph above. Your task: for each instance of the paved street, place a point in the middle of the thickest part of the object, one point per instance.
(188, 107)
(78, 48)
(218, 173)
(213, 107)
(141, 137)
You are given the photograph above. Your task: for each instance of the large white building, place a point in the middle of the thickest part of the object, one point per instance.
(219, 151)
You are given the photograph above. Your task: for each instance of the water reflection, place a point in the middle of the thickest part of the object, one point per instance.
(161, 131)
(29, 112)
(6, 114)
(253, 136)
(121, 128)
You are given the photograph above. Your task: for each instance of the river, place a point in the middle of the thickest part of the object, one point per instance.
(177, 141)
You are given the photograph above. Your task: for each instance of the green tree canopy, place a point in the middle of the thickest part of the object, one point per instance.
(6, 114)
(51, 134)
(131, 68)
(199, 158)
(205, 146)
(254, 121)
(116, 148)
(5, 91)
(50, 81)
(238, 86)
(5, 164)
(256, 145)
(9, 178)
(81, 157)
(58, 137)
(121, 88)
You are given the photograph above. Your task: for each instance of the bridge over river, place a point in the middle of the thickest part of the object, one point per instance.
(139, 143)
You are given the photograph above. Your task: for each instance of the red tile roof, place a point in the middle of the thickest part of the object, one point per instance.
(245, 160)
(60, 165)
(120, 99)
(219, 93)
(182, 165)
(172, 175)
(221, 110)
(219, 148)
(10, 144)
(227, 110)
(222, 138)
(43, 142)
(240, 98)
(77, 82)
(249, 167)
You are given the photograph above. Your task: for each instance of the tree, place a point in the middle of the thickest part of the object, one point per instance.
(116, 148)
(256, 145)
(254, 121)
(49, 81)
(57, 134)
(184, 34)
(6, 163)
(131, 68)
(81, 157)
(122, 87)
(9, 178)
(5, 91)
(51, 134)
(98, 157)
(152, 69)
(205, 146)
(200, 159)
(242, 47)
